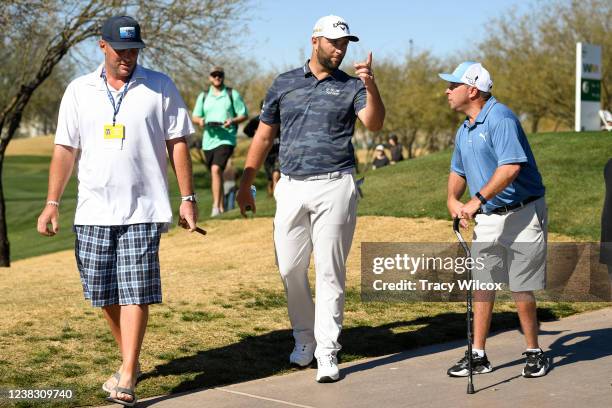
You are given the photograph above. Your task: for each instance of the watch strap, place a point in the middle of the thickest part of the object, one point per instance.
(481, 198)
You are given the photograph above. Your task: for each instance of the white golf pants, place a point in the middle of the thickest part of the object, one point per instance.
(315, 213)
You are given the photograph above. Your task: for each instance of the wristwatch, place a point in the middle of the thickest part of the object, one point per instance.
(481, 198)
(191, 197)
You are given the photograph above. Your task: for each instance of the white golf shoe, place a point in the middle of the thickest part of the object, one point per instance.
(302, 354)
(327, 370)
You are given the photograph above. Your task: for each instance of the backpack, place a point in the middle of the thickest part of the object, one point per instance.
(196, 142)
(230, 93)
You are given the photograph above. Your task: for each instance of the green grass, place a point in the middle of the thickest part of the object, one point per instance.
(25, 188)
(175, 362)
(571, 165)
(232, 334)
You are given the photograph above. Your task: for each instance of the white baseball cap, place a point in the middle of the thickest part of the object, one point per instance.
(380, 147)
(333, 27)
(470, 73)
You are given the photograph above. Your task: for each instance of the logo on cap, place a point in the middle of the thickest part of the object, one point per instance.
(127, 33)
(471, 81)
(342, 25)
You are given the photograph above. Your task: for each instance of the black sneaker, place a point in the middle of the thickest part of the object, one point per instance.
(480, 365)
(537, 364)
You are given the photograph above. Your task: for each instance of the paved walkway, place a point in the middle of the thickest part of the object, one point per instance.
(580, 346)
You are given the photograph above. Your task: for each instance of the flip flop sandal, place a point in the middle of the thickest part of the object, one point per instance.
(116, 376)
(126, 391)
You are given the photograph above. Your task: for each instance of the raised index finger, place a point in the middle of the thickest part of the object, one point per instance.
(369, 59)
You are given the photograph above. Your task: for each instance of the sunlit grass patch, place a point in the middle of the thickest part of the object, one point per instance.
(200, 316)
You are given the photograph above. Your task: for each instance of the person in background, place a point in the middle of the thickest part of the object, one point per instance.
(380, 158)
(605, 254)
(219, 111)
(271, 164)
(396, 150)
(229, 186)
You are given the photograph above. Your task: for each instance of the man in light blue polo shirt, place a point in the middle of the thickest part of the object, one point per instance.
(493, 158)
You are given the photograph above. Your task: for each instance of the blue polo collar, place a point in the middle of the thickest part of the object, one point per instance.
(483, 113)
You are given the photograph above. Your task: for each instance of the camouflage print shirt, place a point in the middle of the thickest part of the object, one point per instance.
(317, 120)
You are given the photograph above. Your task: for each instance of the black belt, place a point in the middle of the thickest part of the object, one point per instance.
(506, 208)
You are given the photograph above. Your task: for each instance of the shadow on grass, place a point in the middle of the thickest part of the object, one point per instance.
(261, 356)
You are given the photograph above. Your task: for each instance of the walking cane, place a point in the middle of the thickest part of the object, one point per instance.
(470, 386)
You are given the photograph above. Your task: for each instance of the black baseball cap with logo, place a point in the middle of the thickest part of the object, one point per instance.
(122, 33)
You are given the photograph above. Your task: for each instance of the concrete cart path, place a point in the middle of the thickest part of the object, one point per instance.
(580, 347)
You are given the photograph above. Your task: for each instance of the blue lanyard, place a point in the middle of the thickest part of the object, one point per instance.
(110, 96)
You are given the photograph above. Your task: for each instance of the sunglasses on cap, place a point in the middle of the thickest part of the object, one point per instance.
(217, 74)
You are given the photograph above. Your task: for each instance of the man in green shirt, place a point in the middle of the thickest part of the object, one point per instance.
(218, 110)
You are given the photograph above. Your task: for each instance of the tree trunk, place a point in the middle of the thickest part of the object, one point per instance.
(10, 118)
(431, 142)
(410, 144)
(535, 122)
(5, 259)
(9, 122)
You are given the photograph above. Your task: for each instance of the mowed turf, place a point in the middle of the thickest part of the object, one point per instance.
(223, 319)
(25, 182)
(571, 165)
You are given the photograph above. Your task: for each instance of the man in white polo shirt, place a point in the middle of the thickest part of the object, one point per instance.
(118, 123)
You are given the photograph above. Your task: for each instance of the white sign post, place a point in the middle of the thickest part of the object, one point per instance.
(588, 86)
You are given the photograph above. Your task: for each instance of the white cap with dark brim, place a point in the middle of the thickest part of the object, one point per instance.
(333, 27)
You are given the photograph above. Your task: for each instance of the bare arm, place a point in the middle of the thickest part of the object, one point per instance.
(178, 152)
(236, 120)
(373, 115)
(261, 145)
(198, 120)
(503, 176)
(241, 108)
(62, 163)
(455, 189)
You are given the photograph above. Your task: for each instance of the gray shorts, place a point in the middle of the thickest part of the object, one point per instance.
(512, 247)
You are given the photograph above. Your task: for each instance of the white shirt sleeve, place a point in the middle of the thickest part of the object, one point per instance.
(67, 132)
(176, 116)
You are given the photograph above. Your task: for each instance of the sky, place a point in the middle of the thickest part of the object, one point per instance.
(278, 36)
(280, 30)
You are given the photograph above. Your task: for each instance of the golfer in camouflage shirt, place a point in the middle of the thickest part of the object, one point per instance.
(315, 108)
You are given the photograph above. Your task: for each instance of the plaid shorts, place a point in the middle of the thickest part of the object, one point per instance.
(119, 264)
